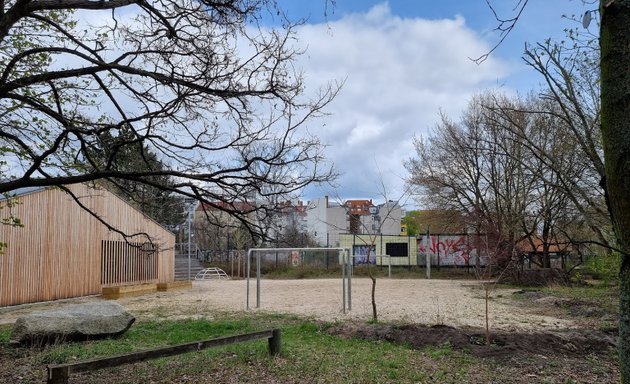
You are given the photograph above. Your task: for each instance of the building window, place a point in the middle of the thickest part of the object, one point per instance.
(397, 249)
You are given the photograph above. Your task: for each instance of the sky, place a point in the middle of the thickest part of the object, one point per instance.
(404, 62)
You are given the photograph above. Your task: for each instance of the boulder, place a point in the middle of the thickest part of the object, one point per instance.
(72, 323)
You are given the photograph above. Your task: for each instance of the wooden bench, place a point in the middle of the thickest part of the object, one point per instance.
(128, 290)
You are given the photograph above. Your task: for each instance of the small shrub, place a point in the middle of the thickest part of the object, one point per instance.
(604, 267)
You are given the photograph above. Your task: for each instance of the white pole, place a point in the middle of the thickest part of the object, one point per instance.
(346, 272)
(189, 220)
(257, 279)
(343, 280)
(426, 252)
(389, 261)
(249, 253)
(350, 262)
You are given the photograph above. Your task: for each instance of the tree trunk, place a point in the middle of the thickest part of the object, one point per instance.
(546, 259)
(374, 314)
(478, 246)
(615, 93)
(373, 278)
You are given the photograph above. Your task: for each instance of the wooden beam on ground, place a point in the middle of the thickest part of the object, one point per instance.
(59, 373)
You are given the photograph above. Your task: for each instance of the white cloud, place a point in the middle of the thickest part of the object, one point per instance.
(399, 73)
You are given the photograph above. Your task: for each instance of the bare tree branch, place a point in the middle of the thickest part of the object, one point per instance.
(505, 26)
(215, 95)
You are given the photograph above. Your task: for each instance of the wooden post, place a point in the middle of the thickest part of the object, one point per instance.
(275, 342)
(58, 375)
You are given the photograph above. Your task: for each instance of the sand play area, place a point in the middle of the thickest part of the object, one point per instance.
(451, 302)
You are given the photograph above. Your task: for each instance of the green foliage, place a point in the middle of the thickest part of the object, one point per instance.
(9, 202)
(412, 220)
(604, 267)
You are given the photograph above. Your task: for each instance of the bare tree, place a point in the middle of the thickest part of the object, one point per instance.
(514, 169)
(462, 167)
(614, 59)
(202, 84)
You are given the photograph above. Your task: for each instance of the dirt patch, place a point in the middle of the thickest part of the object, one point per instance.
(503, 345)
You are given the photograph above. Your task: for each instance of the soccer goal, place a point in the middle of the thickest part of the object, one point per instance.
(345, 259)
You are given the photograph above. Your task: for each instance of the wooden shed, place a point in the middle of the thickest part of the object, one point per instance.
(63, 251)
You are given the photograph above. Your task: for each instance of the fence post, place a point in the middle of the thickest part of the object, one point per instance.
(275, 342)
(350, 271)
(343, 278)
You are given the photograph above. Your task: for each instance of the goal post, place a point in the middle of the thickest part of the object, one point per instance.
(346, 272)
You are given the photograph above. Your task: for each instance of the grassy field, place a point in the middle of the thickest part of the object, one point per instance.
(318, 352)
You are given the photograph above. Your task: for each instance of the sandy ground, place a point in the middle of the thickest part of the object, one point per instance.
(455, 303)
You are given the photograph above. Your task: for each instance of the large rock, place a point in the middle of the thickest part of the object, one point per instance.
(72, 323)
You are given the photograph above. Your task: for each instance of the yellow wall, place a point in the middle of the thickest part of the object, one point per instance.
(349, 240)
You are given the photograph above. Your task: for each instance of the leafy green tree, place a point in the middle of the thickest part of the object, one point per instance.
(411, 220)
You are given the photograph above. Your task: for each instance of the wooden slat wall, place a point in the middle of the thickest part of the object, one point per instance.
(128, 263)
(57, 254)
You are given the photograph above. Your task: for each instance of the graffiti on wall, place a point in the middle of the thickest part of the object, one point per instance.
(295, 258)
(459, 250)
(360, 253)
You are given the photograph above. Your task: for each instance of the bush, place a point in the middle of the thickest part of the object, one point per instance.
(604, 267)
(543, 277)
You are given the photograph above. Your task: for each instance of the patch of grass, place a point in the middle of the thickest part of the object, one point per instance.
(146, 335)
(605, 296)
(309, 354)
(436, 352)
(5, 333)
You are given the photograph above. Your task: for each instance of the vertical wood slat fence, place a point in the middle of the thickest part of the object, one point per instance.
(57, 253)
(128, 263)
(60, 373)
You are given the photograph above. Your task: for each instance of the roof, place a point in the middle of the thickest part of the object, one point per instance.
(359, 207)
(535, 245)
(21, 192)
(28, 190)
